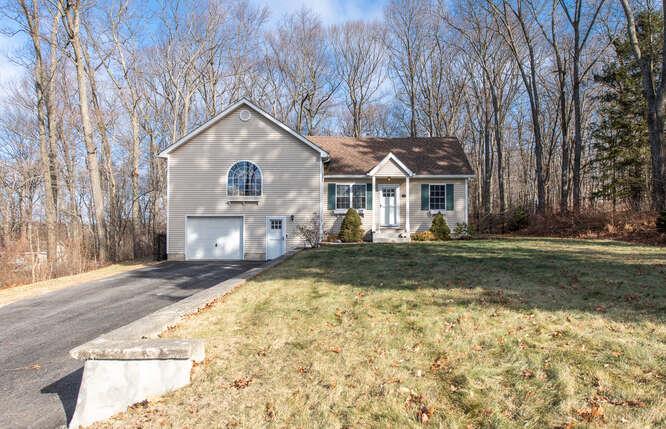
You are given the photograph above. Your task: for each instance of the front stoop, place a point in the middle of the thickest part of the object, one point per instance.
(391, 235)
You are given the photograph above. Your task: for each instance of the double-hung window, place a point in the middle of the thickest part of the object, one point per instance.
(342, 197)
(350, 196)
(439, 197)
(358, 196)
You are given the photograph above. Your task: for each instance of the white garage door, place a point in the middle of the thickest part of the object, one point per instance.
(214, 238)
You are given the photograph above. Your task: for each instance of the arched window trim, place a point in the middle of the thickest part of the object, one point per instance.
(261, 178)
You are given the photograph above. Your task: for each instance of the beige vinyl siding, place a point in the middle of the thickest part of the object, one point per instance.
(420, 220)
(333, 221)
(391, 168)
(198, 180)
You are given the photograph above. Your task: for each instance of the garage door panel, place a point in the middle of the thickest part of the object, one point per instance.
(214, 238)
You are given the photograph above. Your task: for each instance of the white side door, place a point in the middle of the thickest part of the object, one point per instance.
(214, 238)
(276, 237)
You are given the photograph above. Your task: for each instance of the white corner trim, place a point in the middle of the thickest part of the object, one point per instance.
(243, 101)
(321, 197)
(466, 201)
(386, 159)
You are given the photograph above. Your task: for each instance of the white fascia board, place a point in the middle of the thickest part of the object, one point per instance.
(386, 159)
(443, 176)
(164, 153)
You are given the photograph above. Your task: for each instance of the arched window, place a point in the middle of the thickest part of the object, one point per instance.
(244, 180)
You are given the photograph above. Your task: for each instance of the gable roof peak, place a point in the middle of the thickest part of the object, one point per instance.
(232, 107)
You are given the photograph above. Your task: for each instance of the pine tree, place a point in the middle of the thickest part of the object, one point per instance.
(620, 139)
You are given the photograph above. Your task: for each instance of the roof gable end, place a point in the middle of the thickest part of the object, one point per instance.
(388, 158)
(243, 101)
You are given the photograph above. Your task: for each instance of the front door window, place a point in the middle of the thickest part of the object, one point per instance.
(389, 206)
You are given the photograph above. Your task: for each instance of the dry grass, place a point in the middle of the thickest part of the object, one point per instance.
(16, 293)
(496, 333)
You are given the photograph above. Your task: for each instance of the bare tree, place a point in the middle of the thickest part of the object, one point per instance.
(71, 16)
(301, 52)
(513, 19)
(44, 75)
(359, 56)
(582, 32)
(409, 24)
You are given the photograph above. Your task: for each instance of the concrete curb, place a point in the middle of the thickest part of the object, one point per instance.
(132, 363)
(153, 325)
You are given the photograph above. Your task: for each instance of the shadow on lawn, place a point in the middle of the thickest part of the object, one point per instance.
(518, 274)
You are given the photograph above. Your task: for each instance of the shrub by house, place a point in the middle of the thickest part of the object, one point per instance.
(350, 231)
(439, 228)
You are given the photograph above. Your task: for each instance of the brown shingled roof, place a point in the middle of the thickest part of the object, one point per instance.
(422, 155)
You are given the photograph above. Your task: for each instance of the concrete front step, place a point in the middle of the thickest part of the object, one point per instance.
(391, 236)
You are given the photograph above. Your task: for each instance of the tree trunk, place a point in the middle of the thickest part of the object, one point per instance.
(136, 214)
(71, 17)
(498, 147)
(487, 162)
(43, 122)
(578, 132)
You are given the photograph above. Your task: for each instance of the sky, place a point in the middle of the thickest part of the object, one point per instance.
(330, 11)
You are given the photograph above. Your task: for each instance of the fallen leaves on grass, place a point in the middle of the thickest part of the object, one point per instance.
(423, 411)
(335, 349)
(241, 383)
(591, 413)
(528, 373)
(440, 363)
(269, 412)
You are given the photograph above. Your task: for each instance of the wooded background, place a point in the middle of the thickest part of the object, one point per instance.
(558, 103)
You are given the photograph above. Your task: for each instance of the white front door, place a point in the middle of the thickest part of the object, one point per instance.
(214, 237)
(276, 237)
(389, 208)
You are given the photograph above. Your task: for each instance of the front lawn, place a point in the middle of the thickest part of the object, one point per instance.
(495, 333)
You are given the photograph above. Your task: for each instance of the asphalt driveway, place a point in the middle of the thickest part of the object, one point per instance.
(39, 382)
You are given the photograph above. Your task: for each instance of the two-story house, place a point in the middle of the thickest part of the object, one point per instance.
(239, 186)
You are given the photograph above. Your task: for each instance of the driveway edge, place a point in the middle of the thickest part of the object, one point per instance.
(132, 363)
(154, 324)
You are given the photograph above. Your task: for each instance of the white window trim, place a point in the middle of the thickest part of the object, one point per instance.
(244, 197)
(351, 198)
(443, 211)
